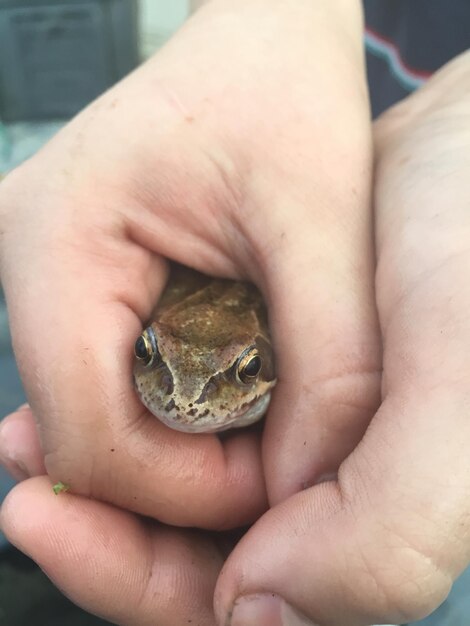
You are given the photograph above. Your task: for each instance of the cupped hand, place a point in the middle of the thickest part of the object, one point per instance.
(238, 152)
(387, 539)
(242, 149)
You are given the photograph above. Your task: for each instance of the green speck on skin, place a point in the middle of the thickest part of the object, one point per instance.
(59, 488)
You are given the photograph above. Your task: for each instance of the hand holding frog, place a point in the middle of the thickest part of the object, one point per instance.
(230, 171)
(386, 540)
(402, 496)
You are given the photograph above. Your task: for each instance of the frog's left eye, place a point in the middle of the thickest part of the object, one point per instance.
(248, 366)
(145, 348)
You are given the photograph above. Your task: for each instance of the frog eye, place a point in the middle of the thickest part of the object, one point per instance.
(248, 366)
(145, 348)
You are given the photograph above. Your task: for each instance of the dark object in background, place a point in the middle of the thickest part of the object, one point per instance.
(28, 598)
(407, 41)
(58, 55)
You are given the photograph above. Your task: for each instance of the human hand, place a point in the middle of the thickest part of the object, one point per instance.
(86, 225)
(88, 222)
(386, 541)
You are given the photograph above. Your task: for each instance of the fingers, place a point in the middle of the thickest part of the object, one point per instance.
(320, 291)
(75, 351)
(127, 570)
(20, 449)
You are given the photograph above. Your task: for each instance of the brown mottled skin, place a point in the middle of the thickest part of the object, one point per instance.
(202, 326)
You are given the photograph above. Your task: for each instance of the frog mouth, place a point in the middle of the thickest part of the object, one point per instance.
(251, 413)
(248, 414)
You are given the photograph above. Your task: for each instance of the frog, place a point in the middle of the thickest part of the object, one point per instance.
(204, 362)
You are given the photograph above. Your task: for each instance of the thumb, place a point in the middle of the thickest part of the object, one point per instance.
(336, 554)
(302, 565)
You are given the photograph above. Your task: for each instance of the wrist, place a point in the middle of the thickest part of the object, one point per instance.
(336, 25)
(347, 12)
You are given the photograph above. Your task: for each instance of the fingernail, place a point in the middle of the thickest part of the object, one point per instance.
(15, 468)
(10, 457)
(266, 609)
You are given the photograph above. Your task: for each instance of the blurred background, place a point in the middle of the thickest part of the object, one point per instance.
(55, 57)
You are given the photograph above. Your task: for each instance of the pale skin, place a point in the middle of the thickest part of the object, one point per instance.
(189, 187)
(90, 218)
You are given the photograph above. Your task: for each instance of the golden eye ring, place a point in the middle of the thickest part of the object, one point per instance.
(145, 348)
(248, 366)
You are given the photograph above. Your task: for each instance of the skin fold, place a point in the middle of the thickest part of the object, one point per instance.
(401, 497)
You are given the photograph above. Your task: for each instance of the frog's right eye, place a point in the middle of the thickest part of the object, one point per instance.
(248, 366)
(145, 348)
